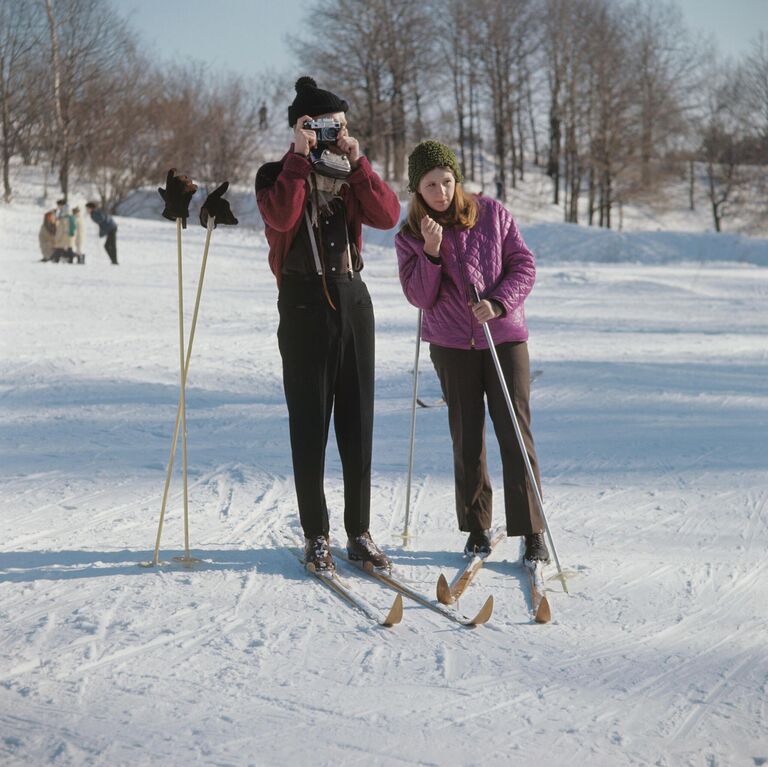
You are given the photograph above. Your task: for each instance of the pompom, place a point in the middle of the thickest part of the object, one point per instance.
(305, 82)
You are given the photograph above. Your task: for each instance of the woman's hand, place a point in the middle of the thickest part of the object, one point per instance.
(349, 146)
(485, 310)
(304, 139)
(432, 233)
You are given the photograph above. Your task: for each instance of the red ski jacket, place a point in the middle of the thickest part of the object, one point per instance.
(281, 194)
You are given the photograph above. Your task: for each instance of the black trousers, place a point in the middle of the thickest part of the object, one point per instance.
(328, 367)
(467, 377)
(111, 246)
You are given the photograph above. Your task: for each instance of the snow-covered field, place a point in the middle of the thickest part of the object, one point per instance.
(650, 416)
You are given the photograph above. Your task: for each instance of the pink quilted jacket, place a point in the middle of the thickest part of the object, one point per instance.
(492, 256)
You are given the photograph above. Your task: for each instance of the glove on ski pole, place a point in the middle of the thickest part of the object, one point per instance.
(179, 190)
(217, 208)
(213, 203)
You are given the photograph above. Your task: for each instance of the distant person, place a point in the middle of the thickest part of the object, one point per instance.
(107, 228)
(47, 235)
(64, 238)
(77, 217)
(263, 116)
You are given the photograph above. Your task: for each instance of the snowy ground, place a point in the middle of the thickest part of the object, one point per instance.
(650, 417)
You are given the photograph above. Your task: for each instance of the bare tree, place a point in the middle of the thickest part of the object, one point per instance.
(19, 35)
(506, 29)
(559, 28)
(664, 61)
(86, 38)
(753, 83)
(610, 100)
(720, 143)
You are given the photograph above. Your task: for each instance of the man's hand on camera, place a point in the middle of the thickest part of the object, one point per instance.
(349, 146)
(304, 139)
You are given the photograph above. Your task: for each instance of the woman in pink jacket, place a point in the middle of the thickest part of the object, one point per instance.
(449, 242)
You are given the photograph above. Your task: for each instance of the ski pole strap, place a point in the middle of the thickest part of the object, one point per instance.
(313, 242)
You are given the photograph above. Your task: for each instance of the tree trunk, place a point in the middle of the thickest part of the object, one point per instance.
(520, 141)
(529, 100)
(691, 179)
(399, 153)
(6, 123)
(61, 123)
(716, 216)
(472, 127)
(370, 108)
(553, 164)
(458, 99)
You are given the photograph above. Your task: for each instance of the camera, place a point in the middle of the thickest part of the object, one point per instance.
(326, 130)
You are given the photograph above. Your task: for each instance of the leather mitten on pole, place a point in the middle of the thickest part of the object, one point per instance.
(217, 208)
(178, 192)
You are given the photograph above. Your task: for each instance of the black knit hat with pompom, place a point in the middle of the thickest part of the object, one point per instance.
(311, 100)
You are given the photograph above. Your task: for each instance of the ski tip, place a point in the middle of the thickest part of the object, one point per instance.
(485, 613)
(395, 614)
(370, 568)
(329, 574)
(543, 613)
(444, 595)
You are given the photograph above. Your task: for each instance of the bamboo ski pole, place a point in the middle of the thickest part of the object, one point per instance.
(182, 391)
(406, 529)
(520, 441)
(182, 401)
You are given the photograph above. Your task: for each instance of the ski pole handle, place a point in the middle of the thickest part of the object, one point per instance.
(474, 292)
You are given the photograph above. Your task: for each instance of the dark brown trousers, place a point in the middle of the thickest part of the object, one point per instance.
(467, 377)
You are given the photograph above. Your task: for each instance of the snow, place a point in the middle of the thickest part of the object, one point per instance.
(650, 418)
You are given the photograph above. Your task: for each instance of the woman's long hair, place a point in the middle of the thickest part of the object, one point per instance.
(462, 212)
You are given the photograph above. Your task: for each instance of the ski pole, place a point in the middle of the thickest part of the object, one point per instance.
(406, 531)
(182, 403)
(519, 435)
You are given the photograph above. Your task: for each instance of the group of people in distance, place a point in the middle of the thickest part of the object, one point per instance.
(61, 233)
(314, 202)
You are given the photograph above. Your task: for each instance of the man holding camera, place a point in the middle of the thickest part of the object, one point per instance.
(314, 203)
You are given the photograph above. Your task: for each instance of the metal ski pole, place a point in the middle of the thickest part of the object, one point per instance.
(406, 531)
(520, 441)
(174, 442)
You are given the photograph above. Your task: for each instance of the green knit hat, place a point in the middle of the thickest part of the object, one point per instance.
(427, 155)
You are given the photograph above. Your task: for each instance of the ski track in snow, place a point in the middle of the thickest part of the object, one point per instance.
(650, 420)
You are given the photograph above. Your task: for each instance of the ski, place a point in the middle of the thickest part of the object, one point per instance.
(436, 403)
(343, 590)
(448, 594)
(483, 616)
(539, 602)
(441, 402)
